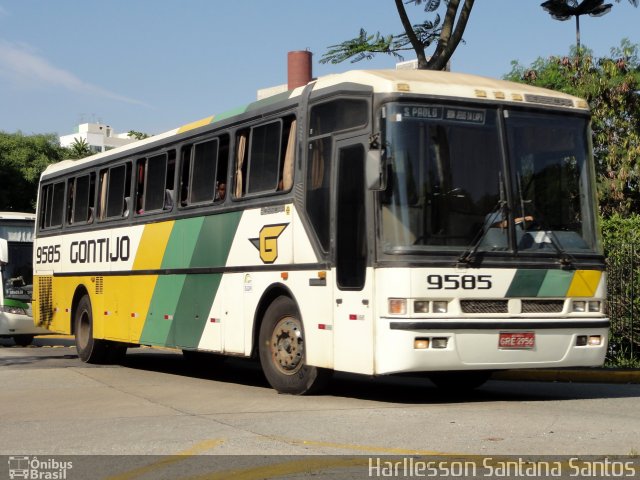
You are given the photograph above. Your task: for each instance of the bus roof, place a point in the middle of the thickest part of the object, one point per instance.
(421, 82)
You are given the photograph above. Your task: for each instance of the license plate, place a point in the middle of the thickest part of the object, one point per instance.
(517, 340)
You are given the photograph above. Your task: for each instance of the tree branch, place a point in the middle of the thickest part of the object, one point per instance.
(411, 34)
(449, 37)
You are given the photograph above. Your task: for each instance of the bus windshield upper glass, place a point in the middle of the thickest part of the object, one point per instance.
(447, 187)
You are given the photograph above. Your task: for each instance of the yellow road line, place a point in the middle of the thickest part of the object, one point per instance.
(360, 448)
(198, 448)
(313, 463)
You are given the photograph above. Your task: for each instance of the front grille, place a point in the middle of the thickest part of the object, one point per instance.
(542, 306)
(484, 306)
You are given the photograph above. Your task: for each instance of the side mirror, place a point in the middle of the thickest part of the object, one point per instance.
(4, 251)
(375, 171)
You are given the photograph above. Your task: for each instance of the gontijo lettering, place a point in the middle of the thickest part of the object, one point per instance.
(100, 250)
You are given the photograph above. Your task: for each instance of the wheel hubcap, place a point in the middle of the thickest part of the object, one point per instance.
(287, 345)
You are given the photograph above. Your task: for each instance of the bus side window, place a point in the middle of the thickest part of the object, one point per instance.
(52, 210)
(264, 157)
(115, 195)
(82, 194)
(263, 170)
(155, 183)
(203, 172)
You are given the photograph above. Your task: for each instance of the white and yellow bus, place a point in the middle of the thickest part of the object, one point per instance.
(373, 222)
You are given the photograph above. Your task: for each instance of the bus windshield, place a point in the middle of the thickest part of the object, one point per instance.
(447, 187)
(17, 275)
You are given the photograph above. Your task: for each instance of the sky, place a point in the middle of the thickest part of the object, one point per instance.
(154, 65)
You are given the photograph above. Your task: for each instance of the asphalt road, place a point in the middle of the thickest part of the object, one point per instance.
(52, 405)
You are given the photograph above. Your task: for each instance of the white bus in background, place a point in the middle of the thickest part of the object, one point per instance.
(16, 274)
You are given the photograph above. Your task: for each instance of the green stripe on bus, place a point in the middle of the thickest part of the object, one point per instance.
(187, 299)
(556, 283)
(215, 239)
(526, 283)
(166, 295)
(192, 311)
(182, 242)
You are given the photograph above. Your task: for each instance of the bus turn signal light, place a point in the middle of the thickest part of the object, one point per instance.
(398, 306)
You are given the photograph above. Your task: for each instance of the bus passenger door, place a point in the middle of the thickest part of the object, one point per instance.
(353, 288)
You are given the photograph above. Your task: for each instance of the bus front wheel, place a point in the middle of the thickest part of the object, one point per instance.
(282, 351)
(90, 350)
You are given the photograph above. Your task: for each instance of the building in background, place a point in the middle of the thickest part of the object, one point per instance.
(99, 137)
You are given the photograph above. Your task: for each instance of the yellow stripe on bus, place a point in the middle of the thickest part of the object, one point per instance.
(152, 246)
(584, 283)
(196, 124)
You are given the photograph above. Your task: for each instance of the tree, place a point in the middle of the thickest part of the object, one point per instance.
(79, 149)
(415, 37)
(137, 135)
(611, 86)
(22, 159)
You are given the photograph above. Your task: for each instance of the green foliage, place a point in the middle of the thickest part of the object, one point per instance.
(611, 86)
(618, 230)
(417, 37)
(22, 160)
(364, 46)
(621, 235)
(79, 149)
(137, 135)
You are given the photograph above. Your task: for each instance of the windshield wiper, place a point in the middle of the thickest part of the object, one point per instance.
(501, 207)
(566, 260)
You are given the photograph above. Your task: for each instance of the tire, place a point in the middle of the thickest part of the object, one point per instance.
(23, 340)
(90, 350)
(460, 382)
(282, 352)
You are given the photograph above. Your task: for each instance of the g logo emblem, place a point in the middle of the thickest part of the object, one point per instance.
(267, 242)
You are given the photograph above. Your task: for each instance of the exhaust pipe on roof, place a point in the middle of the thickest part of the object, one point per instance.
(299, 69)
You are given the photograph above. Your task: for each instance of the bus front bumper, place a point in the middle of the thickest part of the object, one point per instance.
(409, 345)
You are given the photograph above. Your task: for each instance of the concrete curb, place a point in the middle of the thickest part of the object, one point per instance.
(587, 375)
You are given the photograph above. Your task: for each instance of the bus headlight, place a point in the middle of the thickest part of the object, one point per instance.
(14, 310)
(594, 306)
(398, 306)
(579, 306)
(440, 307)
(421, 306)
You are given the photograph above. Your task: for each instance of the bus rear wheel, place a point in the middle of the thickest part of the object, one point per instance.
(90, 350)
(282, 351)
